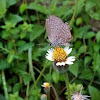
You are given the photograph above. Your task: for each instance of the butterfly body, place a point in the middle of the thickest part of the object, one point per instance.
(58, 31)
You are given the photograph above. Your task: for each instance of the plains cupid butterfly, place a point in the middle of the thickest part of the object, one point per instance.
(58, 31)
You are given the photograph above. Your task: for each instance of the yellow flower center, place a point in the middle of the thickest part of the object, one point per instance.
(47, 85)
(59, 54)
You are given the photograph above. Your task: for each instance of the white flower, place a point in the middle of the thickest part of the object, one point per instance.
(60, 56)
(46, 85)
(79, 96)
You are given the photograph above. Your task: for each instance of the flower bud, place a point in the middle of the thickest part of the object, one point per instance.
(43, 97)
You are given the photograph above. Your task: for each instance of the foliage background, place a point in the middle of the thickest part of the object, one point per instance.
(22, 29)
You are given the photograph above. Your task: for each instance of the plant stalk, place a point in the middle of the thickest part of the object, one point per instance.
(67, 85)
(48, 96)
(5, 86)
(37, 80)
(73, 17)
(31, 69)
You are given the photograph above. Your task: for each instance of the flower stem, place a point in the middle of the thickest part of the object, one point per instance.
(37, 79)
(27, 90)
(4, 85)
(48, 96)
(30, 64)
(55, 92)
(67, 85)
(73, 17)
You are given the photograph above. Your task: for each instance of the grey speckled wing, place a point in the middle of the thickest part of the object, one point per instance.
(58, 31)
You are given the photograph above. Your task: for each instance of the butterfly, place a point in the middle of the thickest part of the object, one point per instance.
(58, 31)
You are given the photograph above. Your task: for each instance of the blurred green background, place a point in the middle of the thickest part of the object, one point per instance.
(23, 39)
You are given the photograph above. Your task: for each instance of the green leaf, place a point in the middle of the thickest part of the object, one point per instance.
(36, 53)
(10, 56)
(95, 93)
(23, 7)
(96, 47)
(74, 69)
(89, 4)
(80, 6)
(61, 78)
(89, 35)
(37, 31)
(11, 2)
(20, 42)
(95, 16)
(82, 49)
(23, 34)
(36, 91)
(26, 78)
(96, 61)
(98, 36)
(16, 87)
(98, 71)
(83, 30)
(86, 74)
(86, 18)
(1, 45)
(38, 7)
(25, 47)
(22, 72)
(53, 5)
(3, 64)
(78, 44)
(15, 96)
(87, 60)
(14, 19)
(79, 21)
(55, 77)
(60, 11)
(2, 8)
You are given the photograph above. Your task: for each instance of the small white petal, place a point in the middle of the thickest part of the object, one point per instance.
(49, 54)
(42, 85)
(60, 63)
(67, 50)
(79, 96)
(49, 57)
(69, 63)
(71, 58)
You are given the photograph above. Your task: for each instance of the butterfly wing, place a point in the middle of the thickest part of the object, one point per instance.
(64, 35)
(58, 31)
(53, 25)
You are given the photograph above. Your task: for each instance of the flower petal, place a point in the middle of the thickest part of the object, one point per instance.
(49, 54)
(60, 63)
(67, 50)
(43, 85)
(71, 58)
(69, 62)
